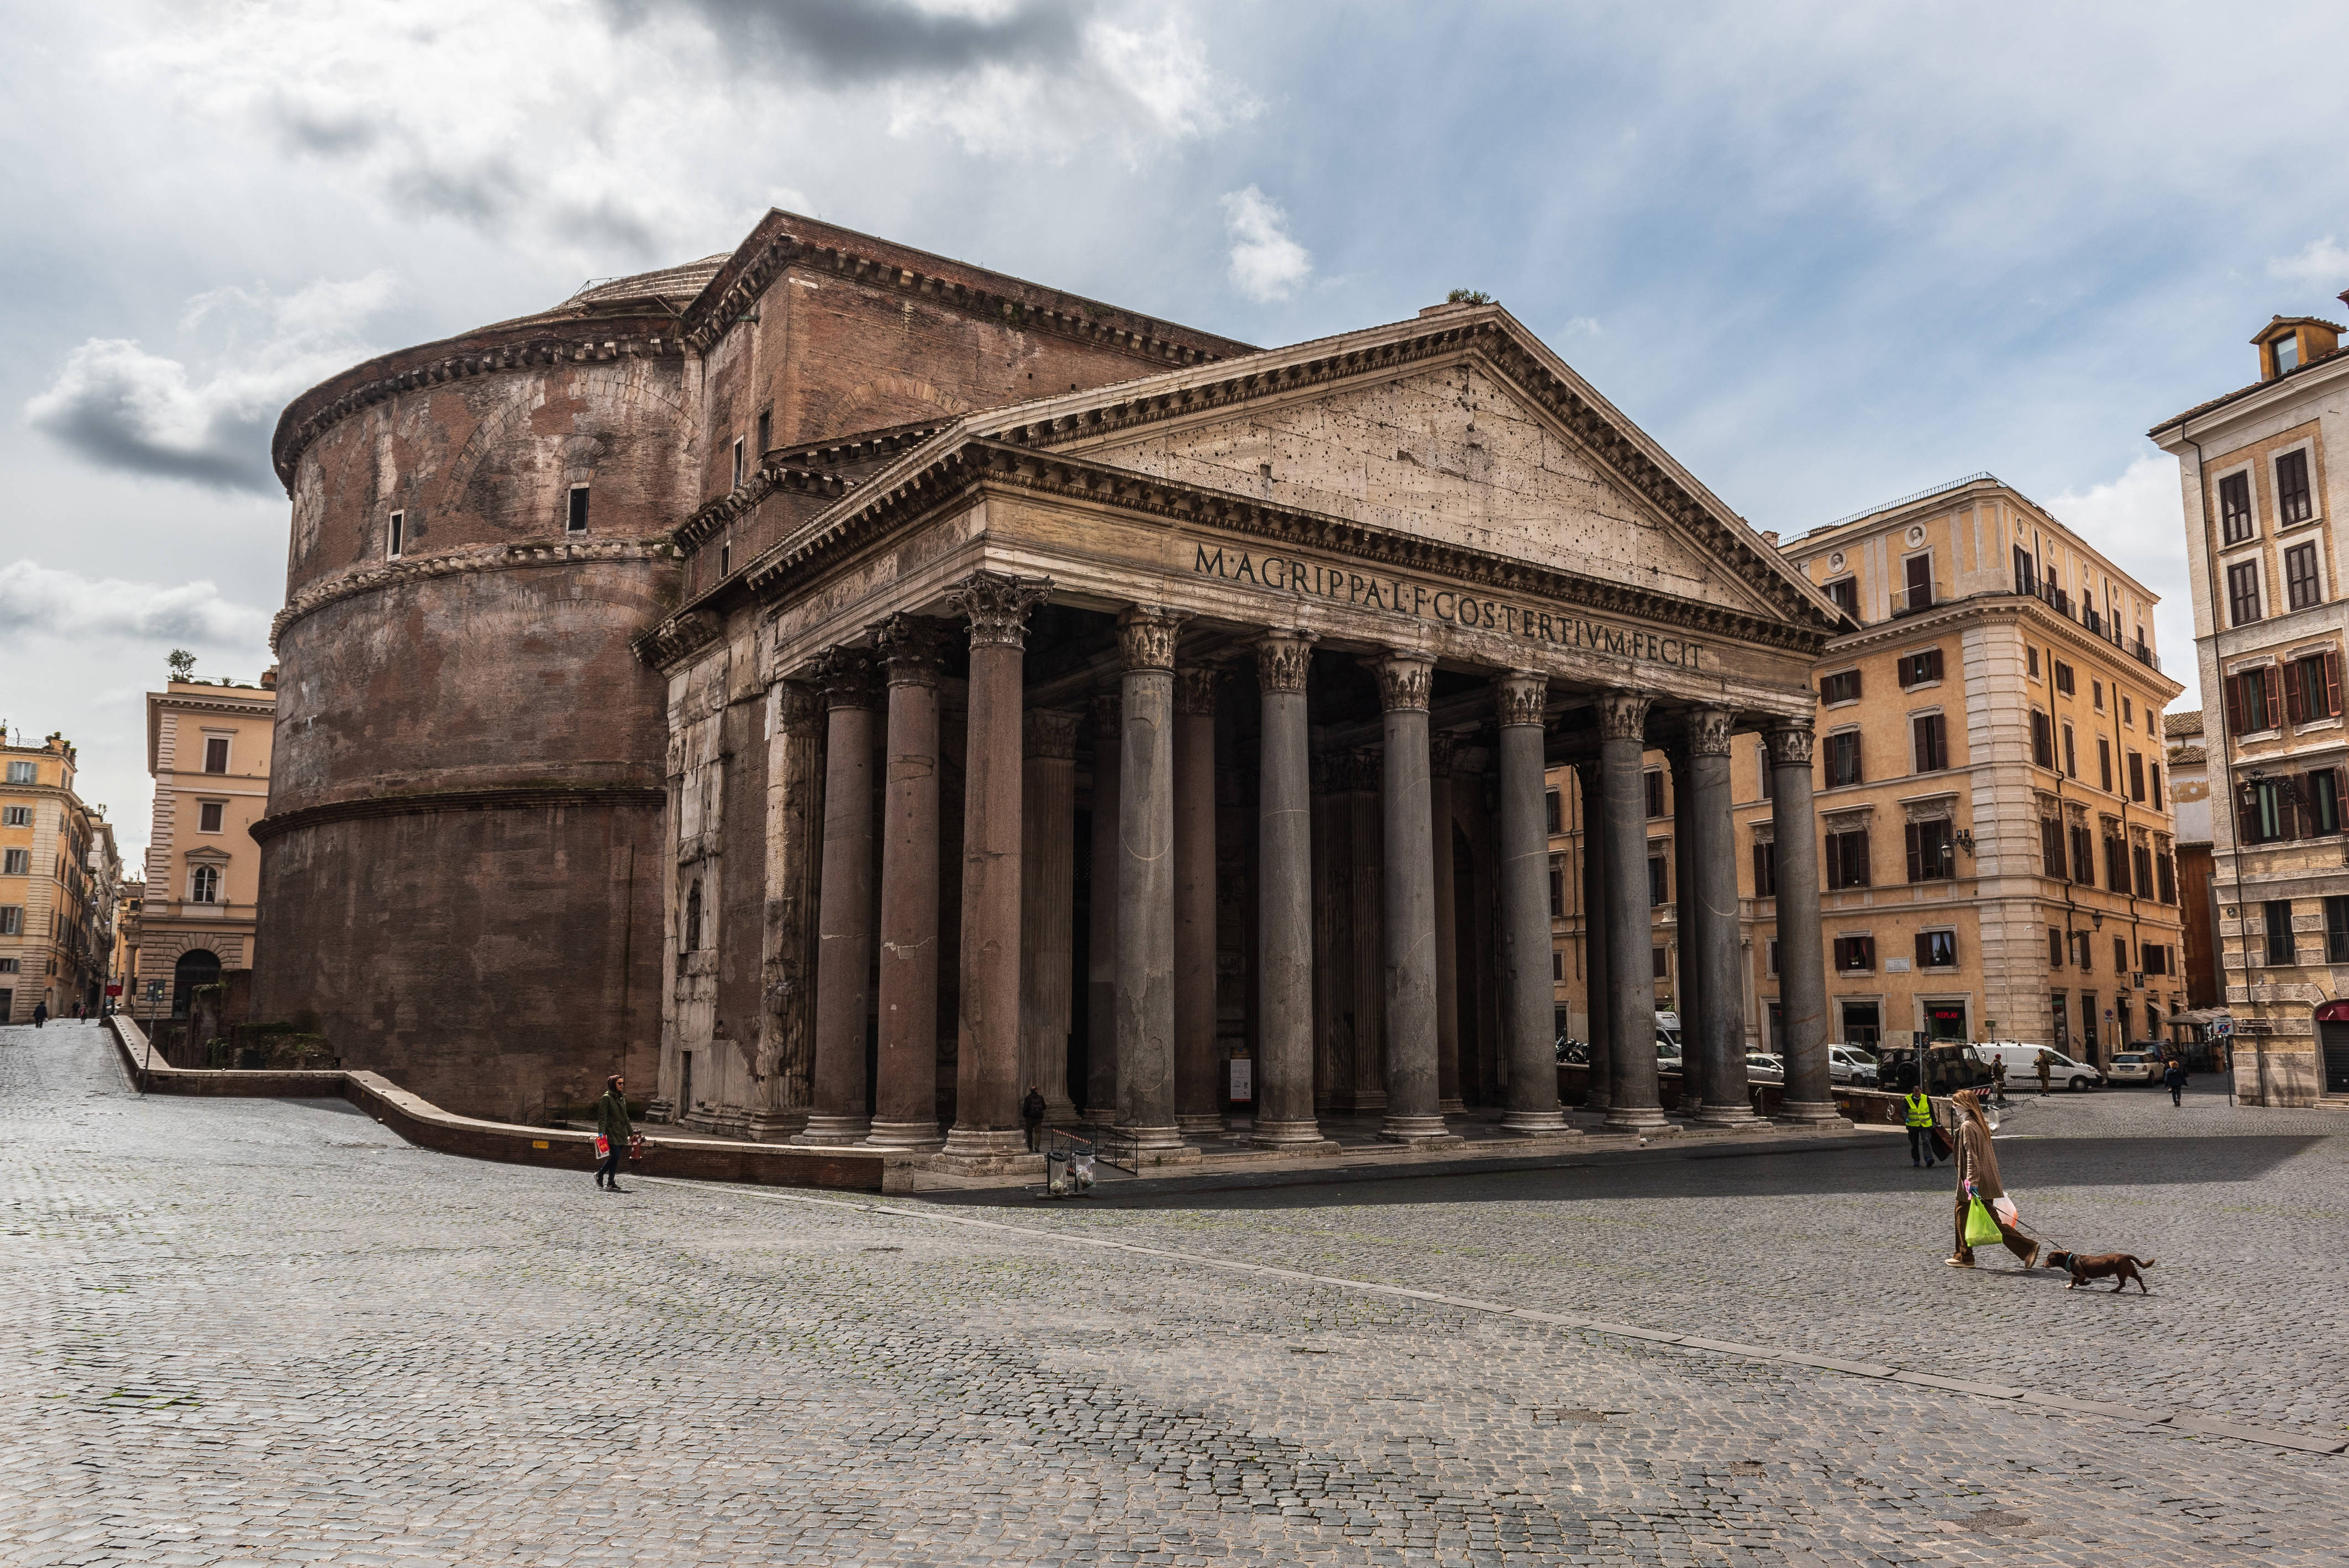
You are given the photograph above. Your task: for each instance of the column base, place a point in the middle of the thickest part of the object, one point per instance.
(1455, 1106)
(1211, 1126)
(1739, 1115)
(774, 1126)
(1637, 1119)
(1420, 1132)
(1535, 1124)
(918, 1136)
(834, 1132)
(1161, 1145)
(1811, 1113)
(1290, 1137)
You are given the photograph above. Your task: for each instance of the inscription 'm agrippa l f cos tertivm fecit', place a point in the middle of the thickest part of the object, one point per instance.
(1402, 596)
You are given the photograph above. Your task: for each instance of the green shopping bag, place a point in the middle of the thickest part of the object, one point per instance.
(1982, 1227)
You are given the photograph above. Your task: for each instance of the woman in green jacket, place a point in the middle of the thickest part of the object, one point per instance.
(611, 1121)
(1978, 1170)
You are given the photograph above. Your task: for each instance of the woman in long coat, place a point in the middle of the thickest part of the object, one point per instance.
(1978, 1164)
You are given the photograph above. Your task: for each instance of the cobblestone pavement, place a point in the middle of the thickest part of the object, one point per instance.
(270, 1332)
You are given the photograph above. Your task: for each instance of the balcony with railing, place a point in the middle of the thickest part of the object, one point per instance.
(1913, 599)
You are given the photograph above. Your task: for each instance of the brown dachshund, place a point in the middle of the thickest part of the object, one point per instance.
(2120, 1268)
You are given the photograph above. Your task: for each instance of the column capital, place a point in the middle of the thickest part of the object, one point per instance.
(801, 709)
(1194, 691)
(1403, 680)
(910, 648)
(1440, 747)
(998, 604)
(1282, 661)
(1109, 710)
(1709, 730)
(1146, 634)
(844, 675)
(1051, 732)
(1360, 771)
(1520, 697)
(1790, 742)
(1623, 716)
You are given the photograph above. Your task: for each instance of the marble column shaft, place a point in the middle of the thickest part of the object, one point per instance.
(1447, 933)
(1688, 991)
(1146, 883)
(1596, 989)
(1201, 1093)
(1048, 796)
(1366, 886)
(906, 1109)
(1528, 1019)
(1802, 961)
(1414, 1113)
(844, 906)
(1721, 1020)
(794, 859)
(987, 1064)
(1622, 718)
(1286, 988)
(1100, 950)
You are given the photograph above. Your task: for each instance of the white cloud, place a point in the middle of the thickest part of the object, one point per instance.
(2319, 262)
(1266, 264)
(123, 408)
(38, 601)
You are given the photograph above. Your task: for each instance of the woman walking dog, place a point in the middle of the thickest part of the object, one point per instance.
(1978, 1178)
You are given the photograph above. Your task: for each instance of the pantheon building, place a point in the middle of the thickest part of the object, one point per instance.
(840, 688)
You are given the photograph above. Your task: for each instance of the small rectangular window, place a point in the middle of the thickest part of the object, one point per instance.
(2031, 663)
(738, 463)
(2064, 677)
(766, 430)
(2253, 700)
(2235, 507)
(2153, 777)
(1843, 758)
(1766, 870)
(2243, 592)
(2054, 948)
(1660, 881)
(2276, 917)
(2137, 775)
(575, 521)
(1557, 887)
(395, 536)
(12, 920)
(1855, 954)
(23, 773)
(1932, 851)
(2292, 503)
(1917, 668)
(726, 559)
(1848, 860)
(216, 754)
(17, 863)
(2071, 753)
(1845, 592)
(2336, 930)
(15, 816)
(1841, 687)
(1653, 782)
(1937, 950)
(2104, 764)
(1553, 810)
(2084, 857)
(1932, 746)
(2050, 847)
(1656, 964)
(2097, 694)
(1768, 772)
(2299, 585)
(208, 816)
(2043, 740)
(2128, 714)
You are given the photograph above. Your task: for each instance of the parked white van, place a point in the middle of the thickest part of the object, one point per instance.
(2022, 1060)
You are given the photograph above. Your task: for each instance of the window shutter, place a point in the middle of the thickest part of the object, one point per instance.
(1924, 950)
(1916, 861)
(1933, 665)
(2269, 679)
(2295, 708)
(2234, 685)
(2331, 684)
(1867, 952)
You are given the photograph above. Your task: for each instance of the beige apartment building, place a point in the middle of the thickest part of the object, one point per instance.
(2268, 629)
(208, 749)
(57, 869)
(1996, 844)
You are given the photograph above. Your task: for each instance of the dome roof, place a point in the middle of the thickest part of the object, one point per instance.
(679, 283)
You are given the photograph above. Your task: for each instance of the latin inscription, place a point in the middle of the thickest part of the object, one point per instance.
(1402, 596)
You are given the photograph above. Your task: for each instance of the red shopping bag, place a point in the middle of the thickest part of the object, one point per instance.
(603, 1149)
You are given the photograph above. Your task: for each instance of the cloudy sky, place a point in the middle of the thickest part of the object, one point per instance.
(1828, 254)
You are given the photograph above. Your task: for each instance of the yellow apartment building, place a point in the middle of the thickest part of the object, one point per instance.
(57, 866)
(207, 750)
(2270, 626)
(1996, 844)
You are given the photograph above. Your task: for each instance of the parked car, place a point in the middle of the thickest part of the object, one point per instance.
(2022, 1059)
(1853, 1065)
(1946, 1067)
(1667, 1031)
(1761, 1066)
(2130, 1067)
(1667, 1055)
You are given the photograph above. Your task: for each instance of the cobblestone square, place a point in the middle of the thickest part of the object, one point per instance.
(247, 1331)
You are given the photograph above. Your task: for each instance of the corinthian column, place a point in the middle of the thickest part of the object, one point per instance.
(1802, 963)
(1414, 1112)
(794, 855)
(1284, 986)
(1597, 987)
(1200, 1093)
(844, 907)
(1146, 884)
(1047, 905)
(1447, 937)
(906, 1101)
(987, 1085)
(1713, 867)
(1100, 947)
(1528, 1019)
(1631, 1001)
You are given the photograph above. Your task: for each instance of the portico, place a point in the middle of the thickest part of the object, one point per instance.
(1241, 683)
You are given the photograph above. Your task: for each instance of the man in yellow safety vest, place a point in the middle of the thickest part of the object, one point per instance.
(1920, 1128)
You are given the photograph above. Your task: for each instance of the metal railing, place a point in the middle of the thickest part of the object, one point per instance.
(1910, 601)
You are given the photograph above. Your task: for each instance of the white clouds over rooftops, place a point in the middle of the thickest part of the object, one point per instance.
(2319, 262)
(37, 602)
(116, 405)
(1266, 264)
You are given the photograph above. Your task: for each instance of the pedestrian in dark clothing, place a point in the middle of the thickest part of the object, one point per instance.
(1978, 1178)
(40, 1014)
(611, 1121)
(2045, 1061)
(2175, 1077)
(1031, 1115)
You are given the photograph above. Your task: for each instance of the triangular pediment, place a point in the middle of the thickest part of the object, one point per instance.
(1460, 428)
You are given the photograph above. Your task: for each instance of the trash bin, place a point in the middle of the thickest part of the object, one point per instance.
(1057, 1179)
